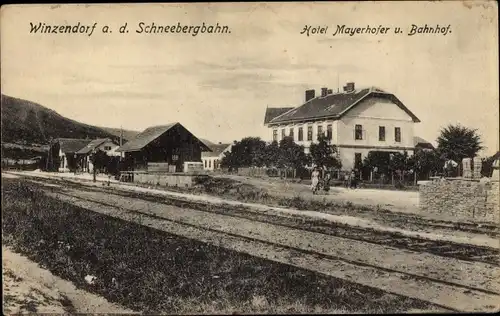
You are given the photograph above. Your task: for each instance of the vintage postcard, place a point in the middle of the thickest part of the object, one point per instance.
(250, 158)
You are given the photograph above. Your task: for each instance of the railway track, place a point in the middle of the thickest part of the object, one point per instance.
(429, 289)
(397, 219)
(441, 248)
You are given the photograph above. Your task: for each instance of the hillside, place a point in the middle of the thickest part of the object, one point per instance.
(27, 128)
(26, 122)
(127, 134)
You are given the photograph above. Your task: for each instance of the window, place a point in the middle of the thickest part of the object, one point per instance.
(397, 134)
(291, 133)
(283, 135)
(358, 132)
(209, 164)
(107, 148)
(357, 160)
(275, 135)
(309, 132)
(301, 134)
(175, 157)
(329, 132)
(205, 163)
(320, 130)
(381, 133)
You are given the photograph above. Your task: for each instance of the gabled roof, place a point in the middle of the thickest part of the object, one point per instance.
(206, 142)
(422, 143)
(216, 150)
(149, 135)
(71, 145)
(274, 112)
(93, 144)
(335, 106)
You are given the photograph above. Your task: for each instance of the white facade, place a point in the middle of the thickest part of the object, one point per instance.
(108, 147)
(63, 162)
(369, 117)
(211, 163)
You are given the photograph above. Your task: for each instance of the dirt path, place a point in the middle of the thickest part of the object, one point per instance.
(405, 201)
(318, 252)
(30, 288)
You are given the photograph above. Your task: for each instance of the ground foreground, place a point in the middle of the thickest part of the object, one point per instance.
(157, 254)
(29, 288)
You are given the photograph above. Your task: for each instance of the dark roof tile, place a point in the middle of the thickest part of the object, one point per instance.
(71, 145)
(274, 112)
(216, 150)
(334, 106)
(148, 135)
(93, 144)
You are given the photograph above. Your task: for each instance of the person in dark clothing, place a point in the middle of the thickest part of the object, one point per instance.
(354, 180)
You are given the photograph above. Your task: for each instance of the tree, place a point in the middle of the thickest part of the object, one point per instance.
(457, 142)
(399, 162)
(250, 151)
(272, 155)
(323, 154)
(100, 160)
(379, 161)
(428, 162)
(291, 155)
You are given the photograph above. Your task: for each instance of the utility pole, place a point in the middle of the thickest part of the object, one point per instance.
(49, 155)
(121, 141)
(93, 165)
(47, 159)
(121, 136)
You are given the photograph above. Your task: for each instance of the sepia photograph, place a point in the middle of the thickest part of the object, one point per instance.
(333, 157)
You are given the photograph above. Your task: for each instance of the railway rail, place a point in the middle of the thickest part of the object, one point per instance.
(441, 248)
(449, 295)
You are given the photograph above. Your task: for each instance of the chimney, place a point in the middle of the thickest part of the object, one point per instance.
(310, 94)
(324, 91)
(330, 91)
(349, 87)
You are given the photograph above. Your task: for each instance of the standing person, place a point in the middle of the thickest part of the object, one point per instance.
(326, 182)
(353, 179)
(315, 180)
(346, 179)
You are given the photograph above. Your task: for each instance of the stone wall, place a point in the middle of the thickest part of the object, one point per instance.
(461, 198)
(165, 179)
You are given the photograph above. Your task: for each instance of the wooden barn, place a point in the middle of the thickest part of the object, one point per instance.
(170, 144)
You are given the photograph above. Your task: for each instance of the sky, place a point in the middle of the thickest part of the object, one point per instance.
(219, 85)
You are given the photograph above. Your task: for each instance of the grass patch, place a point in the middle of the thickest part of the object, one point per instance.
(155, 272)
(243, 192)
